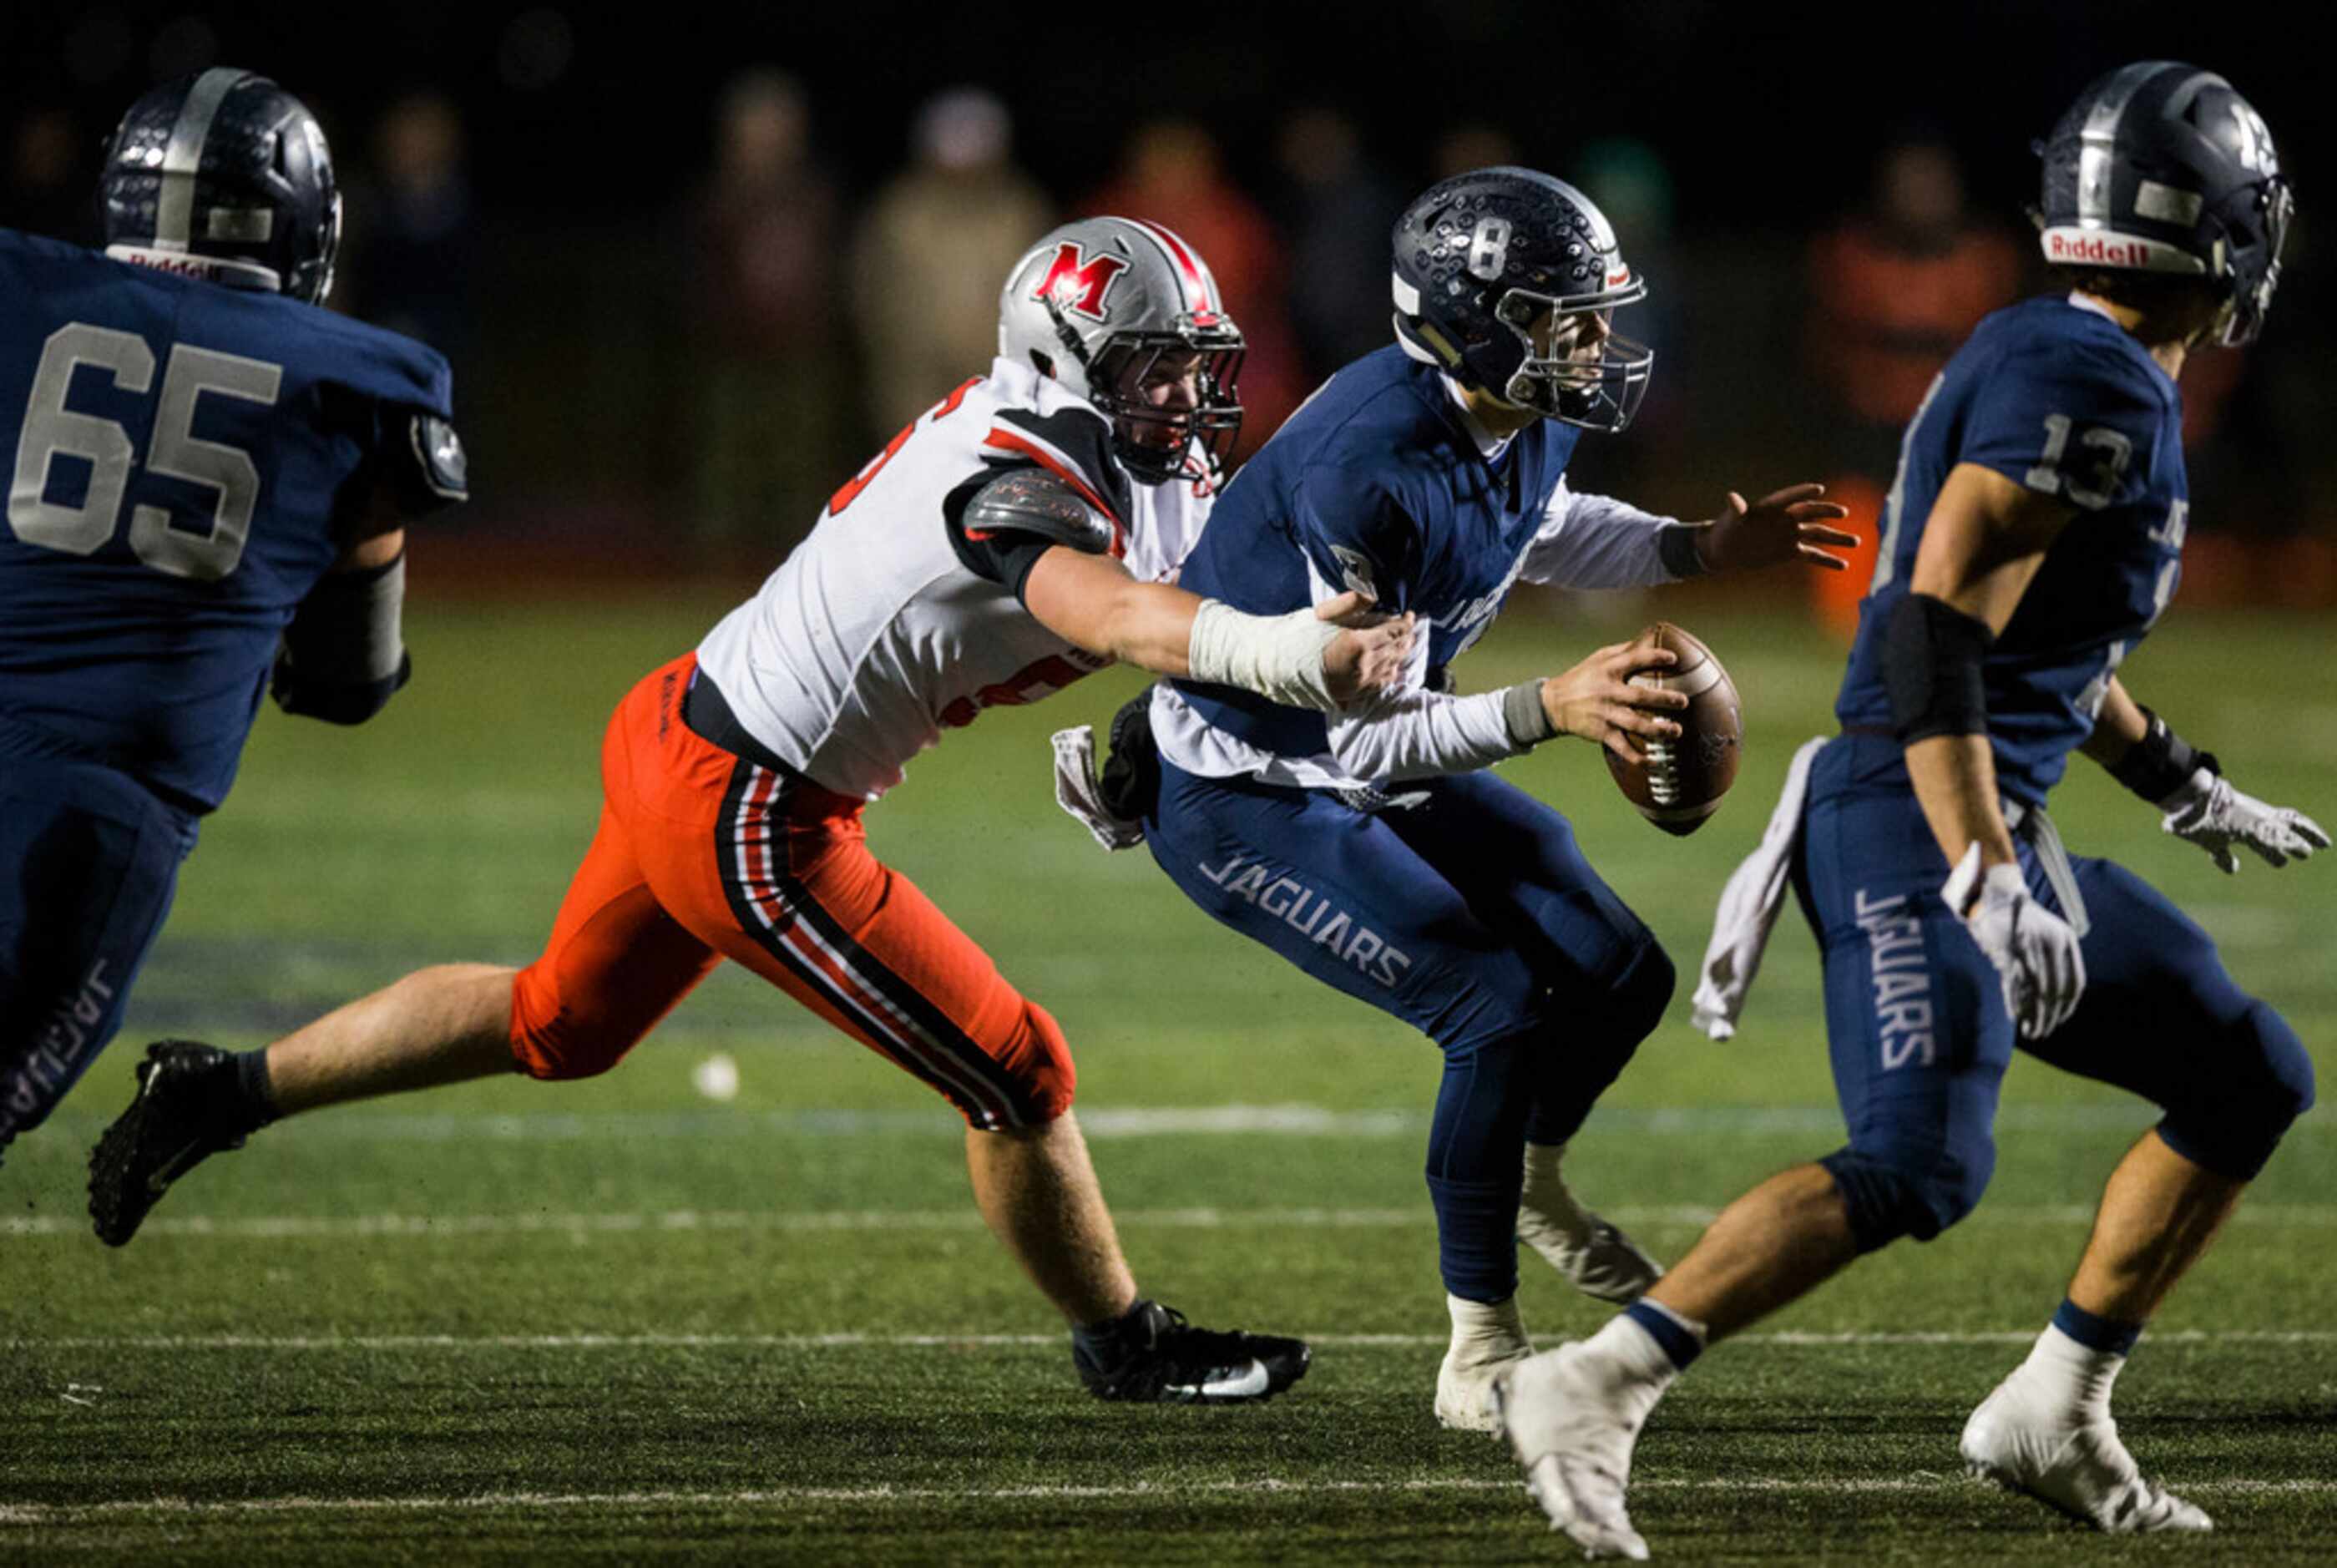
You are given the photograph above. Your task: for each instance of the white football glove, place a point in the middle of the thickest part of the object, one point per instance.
(2035, 951)
(2208, 812)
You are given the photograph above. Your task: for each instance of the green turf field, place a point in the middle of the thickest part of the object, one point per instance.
(616, 1318)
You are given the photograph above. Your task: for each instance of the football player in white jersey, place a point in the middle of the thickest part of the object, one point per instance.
(1019, 534)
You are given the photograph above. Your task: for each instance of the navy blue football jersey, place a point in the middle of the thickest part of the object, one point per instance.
(182, 454)
(1377, 484)
(2062, 399)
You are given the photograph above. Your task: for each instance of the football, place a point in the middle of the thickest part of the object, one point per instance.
(1677, 784)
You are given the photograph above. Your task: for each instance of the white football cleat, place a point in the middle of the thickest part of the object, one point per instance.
(1572, 1419)
(2025, 1441)
(1588, 1253)
(1488, 1338)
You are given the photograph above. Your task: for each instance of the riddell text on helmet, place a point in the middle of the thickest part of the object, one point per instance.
(2078, 245)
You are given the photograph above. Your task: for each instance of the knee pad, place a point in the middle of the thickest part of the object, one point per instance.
(1574, 1061)
(550, 1042)
(2263, 1082)
(1892, 1195)
(1642, 996)
(1633, 1005)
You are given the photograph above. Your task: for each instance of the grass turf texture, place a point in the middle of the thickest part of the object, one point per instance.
(515, 1319)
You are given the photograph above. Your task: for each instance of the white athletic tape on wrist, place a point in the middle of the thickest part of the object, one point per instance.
(1277, 656)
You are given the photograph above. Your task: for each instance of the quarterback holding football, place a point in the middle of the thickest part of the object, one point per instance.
(1373, 847)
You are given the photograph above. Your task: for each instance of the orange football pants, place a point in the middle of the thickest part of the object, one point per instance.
(701, 856)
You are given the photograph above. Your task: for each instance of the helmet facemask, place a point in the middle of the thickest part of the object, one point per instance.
(2243, 313)
(1555, 378)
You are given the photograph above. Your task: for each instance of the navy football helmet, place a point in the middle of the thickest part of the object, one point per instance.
(1489, 268)
(224, 176)
(2160, 167)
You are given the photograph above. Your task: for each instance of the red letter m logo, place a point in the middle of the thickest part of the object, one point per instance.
(1080, 283)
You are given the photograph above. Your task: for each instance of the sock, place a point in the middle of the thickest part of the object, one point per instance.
(2078, 1374)
(2108, 1335)
(1678, 1339)
(1486, 1333)
(254, 1101)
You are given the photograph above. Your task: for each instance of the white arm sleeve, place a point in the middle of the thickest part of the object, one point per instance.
(1422, 735)
(1412, 732)
(1597, 542)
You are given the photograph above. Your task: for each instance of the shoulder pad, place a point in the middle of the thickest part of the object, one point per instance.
(439, 460)
(1034, 501)
(421, 462)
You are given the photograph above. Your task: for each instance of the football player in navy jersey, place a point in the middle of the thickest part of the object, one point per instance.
(2033, 536)
(211, 479)
(1368, 846)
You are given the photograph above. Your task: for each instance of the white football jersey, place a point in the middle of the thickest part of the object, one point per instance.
(872, 637)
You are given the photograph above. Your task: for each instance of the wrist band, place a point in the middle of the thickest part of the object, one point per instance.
(2161, 762)
(1528, 720)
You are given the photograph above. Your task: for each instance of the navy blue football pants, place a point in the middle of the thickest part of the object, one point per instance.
(1918, 1033)
(1473, 918)
(88, 862)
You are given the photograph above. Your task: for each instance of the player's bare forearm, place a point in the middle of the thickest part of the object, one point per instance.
(1954, 778)
(1091, 603)
(1982, 546)
(2118, 727)
(1152, 625)
(1985, 538)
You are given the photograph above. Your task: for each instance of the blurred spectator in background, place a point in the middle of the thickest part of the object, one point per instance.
(1894, 289)
(1171, 175)
(2262, 472)
(1474, 145)
(776, 400)
(933, 251)
(410, 267)
(48, 189)
(1340, 214)
(1627, 179)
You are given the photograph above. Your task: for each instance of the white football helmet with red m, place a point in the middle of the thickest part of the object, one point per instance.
(1128, 316)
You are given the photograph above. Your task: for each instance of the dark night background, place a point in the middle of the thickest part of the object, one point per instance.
(577, 295)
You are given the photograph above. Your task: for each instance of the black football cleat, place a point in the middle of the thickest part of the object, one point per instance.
(189, 1107)
(1158, 1358)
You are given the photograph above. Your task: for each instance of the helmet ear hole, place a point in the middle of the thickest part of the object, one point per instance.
(1043, 363)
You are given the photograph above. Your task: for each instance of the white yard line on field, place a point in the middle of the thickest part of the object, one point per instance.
(854, 1340)
(174, 1508)
(429, 1227)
